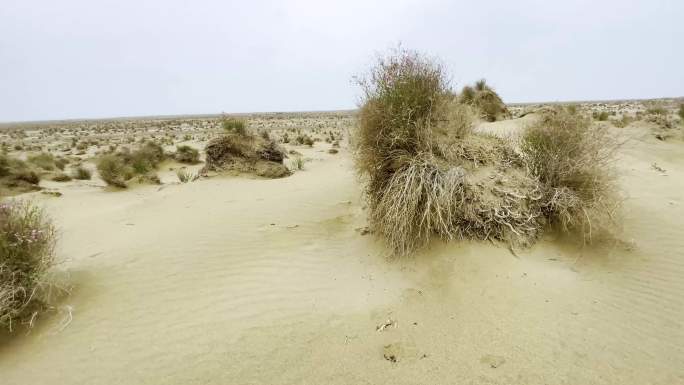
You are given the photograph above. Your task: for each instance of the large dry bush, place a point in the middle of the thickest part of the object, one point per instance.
(427, 174)
(573, 160)
(27, 239)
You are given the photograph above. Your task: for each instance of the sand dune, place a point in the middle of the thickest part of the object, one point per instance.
(235, 280)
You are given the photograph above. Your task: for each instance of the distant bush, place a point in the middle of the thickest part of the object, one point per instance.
(238, 126)
(27, 240)
(600, 115)
(61, 177)
(17, 174)
(114, 170)
(681, 112)
(624, 121)
(186, 154)
(573, 161)
(304, 139)
(43, 160)
(485, 99)
(184, 176)
(81, 173)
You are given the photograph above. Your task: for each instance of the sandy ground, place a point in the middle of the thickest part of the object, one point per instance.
(233, 280)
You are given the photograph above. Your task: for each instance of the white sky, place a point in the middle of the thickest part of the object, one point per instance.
(89, 58)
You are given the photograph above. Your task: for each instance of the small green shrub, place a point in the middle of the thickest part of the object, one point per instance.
(61, 177)
(681, 112)
(186, 154)
(238, 126)
(27, 240)
(43, 160)
(600, 115)
(185, 176)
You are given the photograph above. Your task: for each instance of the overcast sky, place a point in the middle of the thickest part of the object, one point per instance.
(91, 58)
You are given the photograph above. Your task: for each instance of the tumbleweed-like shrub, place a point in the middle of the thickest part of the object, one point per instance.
(27, 240)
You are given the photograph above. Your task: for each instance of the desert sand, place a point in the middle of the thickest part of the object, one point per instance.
(240, 280)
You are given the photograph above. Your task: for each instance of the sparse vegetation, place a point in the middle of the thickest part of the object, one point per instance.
(43, 160)
(186, 154)
(185, 176)
(245, 152)
(573, 161)
(234, 125)
(296, 163)
(81, 173)
(429, 175)
(27, 240)
(61, 177)
(114, 170)
(600, 115)
(16, 176)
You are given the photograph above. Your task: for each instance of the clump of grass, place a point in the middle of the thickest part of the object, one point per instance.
(296, 163)
(623, 122)
(425, 168)
(304, 139)
(234, 125)
(116, 169)
(186, 154)
(600, 115)
(43, 160)
(573, 161)
(245, 152)
(485, 99)
(81, 173)
(17, 175)
(27, 240)
(656, 110)
(185, 176)
(61, 177)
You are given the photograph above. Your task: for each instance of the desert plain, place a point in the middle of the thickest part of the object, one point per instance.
(234, 278)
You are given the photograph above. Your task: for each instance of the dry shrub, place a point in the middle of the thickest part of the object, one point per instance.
(17, 176)
(27, 240)
(81, 173)
(490, 105)
(117, 169)
(186, 154)
(573, 161)
(245, 152)
(427, 174)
